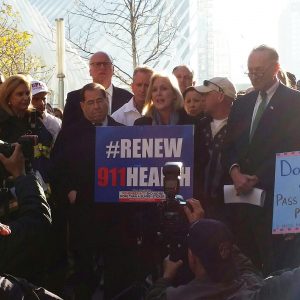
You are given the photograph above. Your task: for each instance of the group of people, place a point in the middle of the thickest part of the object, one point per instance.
(236, 141)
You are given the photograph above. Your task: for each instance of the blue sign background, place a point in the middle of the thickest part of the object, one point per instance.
(110, 167)
(286, 211)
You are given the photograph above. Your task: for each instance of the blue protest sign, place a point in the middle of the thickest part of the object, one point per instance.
(286, 211)
(129, 162)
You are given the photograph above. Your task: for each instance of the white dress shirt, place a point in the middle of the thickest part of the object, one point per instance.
(109, 92)
(127, 114)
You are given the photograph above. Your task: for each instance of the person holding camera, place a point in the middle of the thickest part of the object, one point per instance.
(25, 219)
(220, 270)
(17, 120)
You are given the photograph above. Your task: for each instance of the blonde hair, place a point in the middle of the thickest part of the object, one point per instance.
(178, 103)
(8, 87)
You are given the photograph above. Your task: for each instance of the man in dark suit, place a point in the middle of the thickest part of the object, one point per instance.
(101, 70)
(261, 124)
(73, 158)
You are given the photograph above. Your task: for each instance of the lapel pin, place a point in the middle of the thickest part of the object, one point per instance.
(271, 107)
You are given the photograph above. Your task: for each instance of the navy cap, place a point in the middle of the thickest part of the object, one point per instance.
(212, 242)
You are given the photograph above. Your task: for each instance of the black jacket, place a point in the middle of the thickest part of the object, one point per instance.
(22, 250)
(200, 154)
(73, 161)
(278, 131)
(73, 112)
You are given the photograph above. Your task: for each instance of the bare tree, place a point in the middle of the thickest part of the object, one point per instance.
(143, 29)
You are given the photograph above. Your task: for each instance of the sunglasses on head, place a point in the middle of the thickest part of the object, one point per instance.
(207, 83)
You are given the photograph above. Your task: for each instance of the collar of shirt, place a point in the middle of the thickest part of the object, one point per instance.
(271, 91)
(109, 90)
(217, 125)
(129, 106)
(104, 123)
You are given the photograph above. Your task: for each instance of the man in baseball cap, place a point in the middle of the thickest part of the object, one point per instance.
(219, 94)
(218, 84)
(39, 102)
(221, 271)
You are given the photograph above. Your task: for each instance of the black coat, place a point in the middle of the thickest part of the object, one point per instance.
(278, 131)
(73, 161)
(73, 112)
(22, 251)
(200, 154)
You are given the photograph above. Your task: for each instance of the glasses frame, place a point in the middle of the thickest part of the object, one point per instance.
(98, 64)
(258, 74)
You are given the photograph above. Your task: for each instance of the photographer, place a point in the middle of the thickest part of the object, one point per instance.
(27, 220)
(220, 270)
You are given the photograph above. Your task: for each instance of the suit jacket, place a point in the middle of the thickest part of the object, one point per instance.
(73, 112)
(73, 161)
(278, 131)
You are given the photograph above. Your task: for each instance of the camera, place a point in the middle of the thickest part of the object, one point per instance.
(175, 223)
(27, 143)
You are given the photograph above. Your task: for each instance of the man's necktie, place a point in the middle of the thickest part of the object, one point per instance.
(261, 108)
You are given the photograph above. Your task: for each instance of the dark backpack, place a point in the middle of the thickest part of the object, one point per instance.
(13, 288)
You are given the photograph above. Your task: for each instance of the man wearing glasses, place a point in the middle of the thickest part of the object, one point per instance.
(101, 71)
(262, 123)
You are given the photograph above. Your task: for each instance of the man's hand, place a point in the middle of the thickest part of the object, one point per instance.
(243, 183)
(4, 230)
(197, 211)
(15, 164)
(72, 196)
(170, 268)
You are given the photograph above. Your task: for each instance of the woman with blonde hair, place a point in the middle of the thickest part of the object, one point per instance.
(164, 102)
(17, 120)
(164, 106)
(15, 96)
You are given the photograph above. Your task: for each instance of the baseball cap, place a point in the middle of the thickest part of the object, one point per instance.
(38, 87)
(219, 84)
(212, 242)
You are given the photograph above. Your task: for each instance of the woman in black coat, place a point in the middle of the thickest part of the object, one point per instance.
(164, 106)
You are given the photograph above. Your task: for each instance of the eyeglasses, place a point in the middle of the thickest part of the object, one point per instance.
(207, 83)
(258, 74)
(98, 64)
(96, 101)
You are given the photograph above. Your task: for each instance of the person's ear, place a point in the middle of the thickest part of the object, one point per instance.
(221, 97)
(276, 68)
(81, 105)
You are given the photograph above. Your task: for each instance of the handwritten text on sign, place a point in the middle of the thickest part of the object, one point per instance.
(286, 212)
(129, 161)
